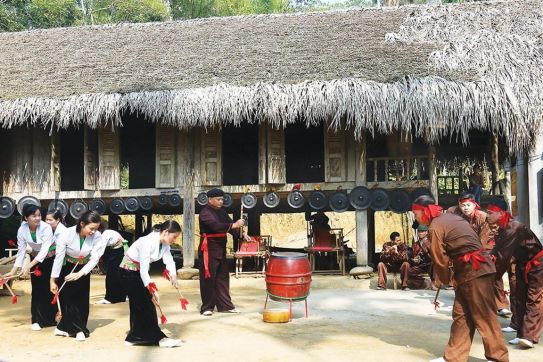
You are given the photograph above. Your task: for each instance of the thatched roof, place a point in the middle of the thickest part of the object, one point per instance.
(439, 70)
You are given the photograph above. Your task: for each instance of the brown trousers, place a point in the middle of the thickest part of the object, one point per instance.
(475, 308)
(416, 275)
(383, 268)
(501, 295)
(512, 274)
(529, 307)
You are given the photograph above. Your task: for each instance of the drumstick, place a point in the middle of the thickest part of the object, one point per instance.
(436, 302)
(55, 298)
(163, 319)
(13, 296)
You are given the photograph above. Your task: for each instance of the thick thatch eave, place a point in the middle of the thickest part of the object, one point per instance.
(441, 71)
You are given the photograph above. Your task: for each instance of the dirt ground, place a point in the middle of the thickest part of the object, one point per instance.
(347, 321)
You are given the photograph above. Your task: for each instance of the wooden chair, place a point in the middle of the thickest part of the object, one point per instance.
(258, 249)
(326, 241)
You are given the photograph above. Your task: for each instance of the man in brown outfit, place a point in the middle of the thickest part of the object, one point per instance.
(515, 240)
(214, 277)
(421, 263)
(393, 259)
(452, 238)
(469, 209)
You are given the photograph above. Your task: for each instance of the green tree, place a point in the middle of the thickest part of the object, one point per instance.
(130, 11)
(53, 13)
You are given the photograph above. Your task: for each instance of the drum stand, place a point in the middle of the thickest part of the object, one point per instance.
(289, 303)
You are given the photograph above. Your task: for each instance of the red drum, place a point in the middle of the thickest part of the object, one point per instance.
(288, 276)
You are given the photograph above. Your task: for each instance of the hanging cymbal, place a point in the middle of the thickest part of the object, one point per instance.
(419, 191)
(132, 204)
(78, 208)
(146, 203)
(271, 200)
(7, 207)
(227, 200)
(360, 198)
(339, 202)
(249, 200)
(400, 201)
(163, 199)
(201, 199)
(27, 200)
(58, 205)
(318, 200)
(379, 199)
(117, 206)
(98, 205)
(296, 199)
(175, 200)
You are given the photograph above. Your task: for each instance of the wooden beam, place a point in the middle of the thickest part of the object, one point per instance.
(507, 193)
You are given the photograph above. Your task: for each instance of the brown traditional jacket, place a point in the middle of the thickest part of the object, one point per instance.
(421, 252)
(478, 223)
(214, 221)
(390, 256)
(516, 241)
(451, 238)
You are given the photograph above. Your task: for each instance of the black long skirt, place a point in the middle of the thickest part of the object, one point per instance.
(115, 292)
(144, 327)
(74, 302)
(41, 309)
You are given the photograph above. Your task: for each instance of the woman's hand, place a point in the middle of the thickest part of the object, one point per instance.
(72, 277)
(53, 287)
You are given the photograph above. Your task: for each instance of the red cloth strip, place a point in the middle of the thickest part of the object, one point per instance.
(430, 211)
(477, 206)
(475, 258)
(205, 251)
(532, 263)
(504, 219)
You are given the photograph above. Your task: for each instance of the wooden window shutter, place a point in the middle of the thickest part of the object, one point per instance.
(90, 159)
(211, 161)
(165, 156)
(108, 155)
(41, 160)
(276, 156)
(335, 155)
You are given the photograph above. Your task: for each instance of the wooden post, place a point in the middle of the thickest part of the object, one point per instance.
(432, 171)
(186, 174)
(361, 216)
(535, 186)
(495, 163)
(522, 189)
(507, 189)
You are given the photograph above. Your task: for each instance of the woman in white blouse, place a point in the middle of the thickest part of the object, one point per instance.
(55, 219)
(113, 256)
(78, 250)
(134, 271)
(38, 235)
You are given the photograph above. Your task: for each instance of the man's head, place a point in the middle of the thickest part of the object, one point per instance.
(215, 198)
(467, 203)
(496, 209)
(419, 204)
(395, 237)
(422, 231)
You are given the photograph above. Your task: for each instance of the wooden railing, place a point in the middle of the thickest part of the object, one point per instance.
(384, 169)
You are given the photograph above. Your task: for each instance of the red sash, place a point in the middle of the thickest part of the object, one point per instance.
(204, 249)
(531, 263)
(475, 258)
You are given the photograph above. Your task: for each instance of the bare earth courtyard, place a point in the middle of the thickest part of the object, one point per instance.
(347, 321)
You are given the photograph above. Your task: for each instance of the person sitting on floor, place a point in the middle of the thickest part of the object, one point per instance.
(393, 259)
